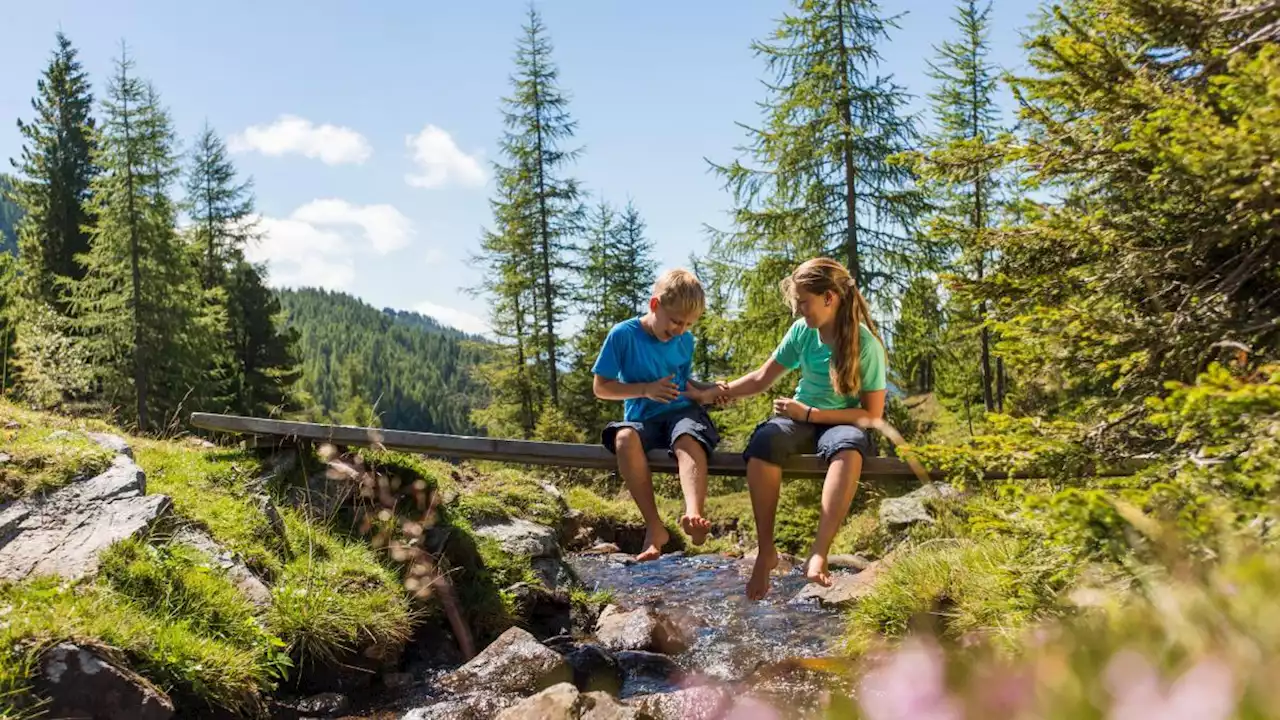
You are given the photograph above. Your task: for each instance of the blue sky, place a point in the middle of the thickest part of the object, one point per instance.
(368, 127)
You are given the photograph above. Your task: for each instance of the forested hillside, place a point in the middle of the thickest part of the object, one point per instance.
(395, 369)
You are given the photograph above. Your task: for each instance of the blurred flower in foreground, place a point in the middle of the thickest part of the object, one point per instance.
(910, 685)
(1205, 692)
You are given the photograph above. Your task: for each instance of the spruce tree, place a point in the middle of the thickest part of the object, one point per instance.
(634, 265)
(55, 173)
(138, 306)
(538, 127)
(256, 366)
(963, 161)
(509, 372)
(221, 208)
(819, 177)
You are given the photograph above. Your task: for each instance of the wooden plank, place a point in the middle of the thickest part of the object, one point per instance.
(268, 433)
(524, 452)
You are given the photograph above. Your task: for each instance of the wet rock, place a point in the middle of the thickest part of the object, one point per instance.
(913, 507)
(522, 537)
(848, 562)
(81, 683)
(63, 533)
(647, 664)
(622, 559)
(845, 590)
(329, 704)
(515, 663)
(545, 613)
(564, 702)
(254, 590)
(594, 669)
(554, 573)
(114, 443)
(696, 703)
(472, 706)
(642, 629)
(602, 549)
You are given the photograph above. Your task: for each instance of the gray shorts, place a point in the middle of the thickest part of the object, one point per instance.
(780, 438)
(661, 431)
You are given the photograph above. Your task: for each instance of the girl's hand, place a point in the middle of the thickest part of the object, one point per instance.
(791, 408)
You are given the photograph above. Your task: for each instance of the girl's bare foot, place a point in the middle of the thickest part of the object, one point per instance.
(654, 540)
(758, 585)
(816, 570)
(696, 527)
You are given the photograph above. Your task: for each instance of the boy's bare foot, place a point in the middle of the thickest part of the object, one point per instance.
(654, 540)
(816, 570)
(696, 527)
(758, 585)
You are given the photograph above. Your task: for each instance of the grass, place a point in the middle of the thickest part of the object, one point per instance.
(174, 615)
(39, 462)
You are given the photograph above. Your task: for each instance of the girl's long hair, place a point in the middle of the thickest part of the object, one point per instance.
(822, 275)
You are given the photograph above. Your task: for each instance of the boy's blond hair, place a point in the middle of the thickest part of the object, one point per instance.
(679, 291)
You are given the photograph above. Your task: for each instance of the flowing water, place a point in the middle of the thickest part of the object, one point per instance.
(775, 651)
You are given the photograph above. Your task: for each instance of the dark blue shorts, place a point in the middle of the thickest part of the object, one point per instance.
(661, 431)
(780, 438)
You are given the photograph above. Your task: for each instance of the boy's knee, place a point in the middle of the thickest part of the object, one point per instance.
(690, 446)
(628, 440)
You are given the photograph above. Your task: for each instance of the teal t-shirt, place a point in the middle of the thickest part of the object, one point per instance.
(802, 348)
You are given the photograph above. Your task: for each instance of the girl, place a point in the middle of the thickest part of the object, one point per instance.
(840, 394)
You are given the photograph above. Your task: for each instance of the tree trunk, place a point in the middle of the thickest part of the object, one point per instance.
(850, 170)
(135, 261)
(545, 235)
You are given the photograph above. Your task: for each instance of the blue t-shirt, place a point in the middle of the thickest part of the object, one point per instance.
(631, 355)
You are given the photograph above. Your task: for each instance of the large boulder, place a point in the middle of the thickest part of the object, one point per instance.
(564, 702)
(913, 507)
(514, 663)
(80, 682)
(846, 590)
(642, 629)
(63, 533)
(471, 706)
(326, 704)
(554, 573)
(522, 537)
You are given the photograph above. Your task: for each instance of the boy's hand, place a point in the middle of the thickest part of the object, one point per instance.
(663, 391)
(790, 408)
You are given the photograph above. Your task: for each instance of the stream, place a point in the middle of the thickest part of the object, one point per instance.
(775, 651)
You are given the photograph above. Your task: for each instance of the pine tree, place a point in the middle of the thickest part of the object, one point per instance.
(56, 171)
(220, 208)
(615, 281)
(138, 306)
(824, 182)
(509, 371)
(257, 366)
(538, 126)
(963, 161)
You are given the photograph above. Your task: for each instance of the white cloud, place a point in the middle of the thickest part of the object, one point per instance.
(289, 134)
(385, 228)
(453, 317)
(314, 246)
(440, 162)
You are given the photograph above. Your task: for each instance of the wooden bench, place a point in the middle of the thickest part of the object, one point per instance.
(523, 452)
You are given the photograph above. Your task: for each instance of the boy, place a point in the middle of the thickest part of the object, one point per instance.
(646, 362)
